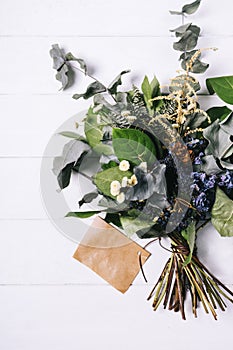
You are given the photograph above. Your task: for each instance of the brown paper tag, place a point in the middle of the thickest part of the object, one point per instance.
(111, 254)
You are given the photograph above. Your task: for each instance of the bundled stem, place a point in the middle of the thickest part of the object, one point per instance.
(179, 278)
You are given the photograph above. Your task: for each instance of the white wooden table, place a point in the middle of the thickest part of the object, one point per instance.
(47, 299)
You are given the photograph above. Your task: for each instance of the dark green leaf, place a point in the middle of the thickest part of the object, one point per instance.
(218, 113)
(191, 8)
(189, 235)
(108, 165)
(222, 86)
(70, 57)
(133, 145)
(82, 214)
(92, 89)
(112, 88)
(88, 198)
(113, 218)
(63, 177)
(222, 214)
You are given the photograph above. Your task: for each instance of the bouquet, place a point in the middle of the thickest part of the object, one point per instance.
(164, 165)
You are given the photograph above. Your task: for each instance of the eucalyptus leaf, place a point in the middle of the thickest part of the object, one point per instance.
(143, 189)
(222, 86)
(82, 214)
(88, 198)
(189, 9)
(133, 145)
(222, 214)
(58, 56)
(181, 81)
(181, 29)
(175, 12)
(71, 153)
(70, 57)
(220, 144)
(189, 235)
(92, 89)
(62, 76)
(187, 42)
(112, 88)
(103, 179)
(195, 120)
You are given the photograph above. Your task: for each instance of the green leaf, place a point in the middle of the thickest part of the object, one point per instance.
(112, 88)
(92, 130)
(104, 178)
(222, 86)
(218, 113)
(133, 145)
(222, 214)
(189, 235)
(81, 214)
(70, 57)
(72, 135)
(189, 9)
(92, 89)
(150, 90)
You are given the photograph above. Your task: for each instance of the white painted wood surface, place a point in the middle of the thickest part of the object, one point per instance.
(47, 299)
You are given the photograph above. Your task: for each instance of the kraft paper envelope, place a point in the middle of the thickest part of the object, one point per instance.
(111, 254)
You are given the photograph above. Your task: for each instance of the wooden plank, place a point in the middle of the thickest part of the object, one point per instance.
(35, 252)
(98, 17)
(32, 72)
(28, 123)
(95, 317)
